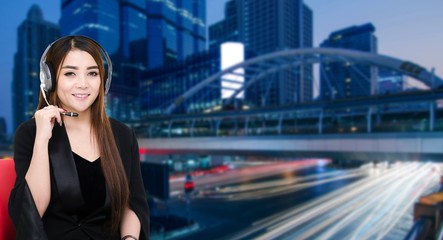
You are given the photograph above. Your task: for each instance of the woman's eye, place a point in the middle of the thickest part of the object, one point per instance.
(69, 74)
(94, 74)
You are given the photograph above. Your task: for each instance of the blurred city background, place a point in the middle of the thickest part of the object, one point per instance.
(259, 119)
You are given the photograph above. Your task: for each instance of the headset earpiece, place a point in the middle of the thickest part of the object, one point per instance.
(45, 72)
(48, 81)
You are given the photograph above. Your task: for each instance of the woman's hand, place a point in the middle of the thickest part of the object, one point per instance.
(130, 225)
(38, 174)
(45, 119)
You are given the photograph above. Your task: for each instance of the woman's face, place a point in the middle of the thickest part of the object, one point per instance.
(78, 81)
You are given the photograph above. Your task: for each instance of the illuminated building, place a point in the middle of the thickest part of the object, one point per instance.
(347, 79)
(139, 35)
(33, 36)
(161, 86)
(268, 26)
(177, 30)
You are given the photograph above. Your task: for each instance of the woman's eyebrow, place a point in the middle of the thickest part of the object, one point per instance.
(70, 67)
(74, 67)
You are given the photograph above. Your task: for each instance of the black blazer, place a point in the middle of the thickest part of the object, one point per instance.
(60, 220)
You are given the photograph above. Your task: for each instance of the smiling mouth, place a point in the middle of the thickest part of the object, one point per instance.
(81, 95)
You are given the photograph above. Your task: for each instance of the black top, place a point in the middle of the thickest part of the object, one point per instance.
(70, 190)
(92, 184)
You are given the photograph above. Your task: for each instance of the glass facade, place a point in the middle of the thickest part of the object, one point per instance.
(176, 30)
(228, 29)
(347, 79)
(269, 26)
(118, 27)
(306, 85)
(161, 86)
(139, 35)
(265, 27)
(33, 36)
(98, 19)
(131, 60)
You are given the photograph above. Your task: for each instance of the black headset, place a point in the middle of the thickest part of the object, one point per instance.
(47, 73)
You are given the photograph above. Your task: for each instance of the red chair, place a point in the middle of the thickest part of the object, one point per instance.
(7, 179)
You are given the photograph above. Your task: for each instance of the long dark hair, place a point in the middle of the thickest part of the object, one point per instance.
(112, 167)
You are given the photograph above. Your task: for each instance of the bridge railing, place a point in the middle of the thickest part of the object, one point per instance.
(373, 119)
(408, 114)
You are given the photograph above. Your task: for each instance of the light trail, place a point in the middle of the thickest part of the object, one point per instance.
(265, 190)
(363, 212)
(374, 212)
(366, 209)
(248, 174)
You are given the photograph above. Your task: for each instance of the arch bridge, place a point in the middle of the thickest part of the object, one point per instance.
(403, 125)
(257, 69)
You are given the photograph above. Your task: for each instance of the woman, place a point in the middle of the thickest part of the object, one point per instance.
(77, 177)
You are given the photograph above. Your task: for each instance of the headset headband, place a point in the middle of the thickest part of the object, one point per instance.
(47, 79)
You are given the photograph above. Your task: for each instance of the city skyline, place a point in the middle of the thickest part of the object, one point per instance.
(410, 33)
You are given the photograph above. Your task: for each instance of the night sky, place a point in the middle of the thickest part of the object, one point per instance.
(406, 29)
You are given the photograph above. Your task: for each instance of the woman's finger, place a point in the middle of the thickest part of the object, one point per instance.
(53, 113)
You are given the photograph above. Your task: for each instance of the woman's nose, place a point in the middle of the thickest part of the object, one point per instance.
(81, 82)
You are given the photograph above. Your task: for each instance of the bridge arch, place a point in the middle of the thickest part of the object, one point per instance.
(277, 61)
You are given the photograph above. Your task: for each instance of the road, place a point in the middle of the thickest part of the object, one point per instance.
(307, 200)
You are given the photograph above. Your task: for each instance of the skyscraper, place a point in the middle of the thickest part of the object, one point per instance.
(176, 29)
(113, 25)
(161, 86)
(226, 30)
(267, 26)
(347, 79)
(97, 19)
(33, 36)
(138, 35)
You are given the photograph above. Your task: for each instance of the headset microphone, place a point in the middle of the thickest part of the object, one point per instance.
(69, 114)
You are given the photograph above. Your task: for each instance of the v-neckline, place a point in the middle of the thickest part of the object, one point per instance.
(84, 159)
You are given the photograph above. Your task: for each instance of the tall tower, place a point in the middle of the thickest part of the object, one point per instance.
(228, 29)
(138, 35)
(177, 30)
(346, 79)
(268, 26)
(104, 22)
(33, 36)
